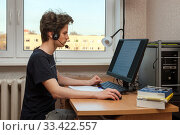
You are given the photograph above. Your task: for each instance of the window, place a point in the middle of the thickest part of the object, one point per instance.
(6, 29)
(3, 44)
(89, 24)
(92, 21)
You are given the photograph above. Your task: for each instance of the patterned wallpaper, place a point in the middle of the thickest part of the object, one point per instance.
(163, 17)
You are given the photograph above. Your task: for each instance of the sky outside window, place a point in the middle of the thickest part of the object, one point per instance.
(88, 16)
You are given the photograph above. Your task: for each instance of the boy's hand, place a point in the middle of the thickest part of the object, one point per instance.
(95, 80)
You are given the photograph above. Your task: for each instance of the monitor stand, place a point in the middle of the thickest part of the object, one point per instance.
(126, 85)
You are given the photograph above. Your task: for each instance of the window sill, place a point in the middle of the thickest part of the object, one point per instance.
(62, 62)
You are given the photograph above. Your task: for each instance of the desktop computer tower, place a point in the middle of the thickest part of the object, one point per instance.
(170, 70)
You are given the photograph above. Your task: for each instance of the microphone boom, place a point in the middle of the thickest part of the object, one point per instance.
(66, 46)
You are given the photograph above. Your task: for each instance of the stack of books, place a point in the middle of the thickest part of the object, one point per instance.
(154, 97)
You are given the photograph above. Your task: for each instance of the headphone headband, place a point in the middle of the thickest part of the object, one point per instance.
(56, 32)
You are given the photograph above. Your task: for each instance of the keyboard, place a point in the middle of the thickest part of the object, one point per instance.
(111, 85)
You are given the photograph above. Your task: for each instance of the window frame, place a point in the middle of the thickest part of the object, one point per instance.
(20, 56)
(10, 30)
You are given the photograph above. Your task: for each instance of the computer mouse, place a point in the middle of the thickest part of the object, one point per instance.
(112, 99)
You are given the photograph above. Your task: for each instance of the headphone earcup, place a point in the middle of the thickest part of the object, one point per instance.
(55, 36)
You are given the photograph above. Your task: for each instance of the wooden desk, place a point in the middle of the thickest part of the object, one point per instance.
(124, 109)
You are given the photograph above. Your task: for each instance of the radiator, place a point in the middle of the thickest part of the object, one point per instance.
(11, 98)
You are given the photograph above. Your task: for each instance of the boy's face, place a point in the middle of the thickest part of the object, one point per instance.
(63, 36)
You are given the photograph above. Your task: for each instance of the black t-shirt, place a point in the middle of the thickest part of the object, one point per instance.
(37, 99)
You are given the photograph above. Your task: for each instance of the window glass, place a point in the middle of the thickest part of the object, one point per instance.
(85, 33)
(3, 44)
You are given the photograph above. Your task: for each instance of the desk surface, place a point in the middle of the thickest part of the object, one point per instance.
(126, 106)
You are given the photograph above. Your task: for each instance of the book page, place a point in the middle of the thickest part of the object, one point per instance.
(86, 88)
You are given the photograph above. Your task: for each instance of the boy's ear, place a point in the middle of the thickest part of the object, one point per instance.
(50, 34)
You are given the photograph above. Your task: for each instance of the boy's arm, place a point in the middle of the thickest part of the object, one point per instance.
(63, 92)
(66, 81)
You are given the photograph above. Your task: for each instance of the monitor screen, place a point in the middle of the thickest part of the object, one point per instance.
(127, 59)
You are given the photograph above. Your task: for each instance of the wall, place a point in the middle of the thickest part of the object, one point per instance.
(135, 22)
(135, 28)
(163, 17)
(70, 71)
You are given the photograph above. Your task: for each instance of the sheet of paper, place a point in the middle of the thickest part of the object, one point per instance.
(86, 88)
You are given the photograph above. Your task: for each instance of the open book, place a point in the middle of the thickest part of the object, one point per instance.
(86, 88)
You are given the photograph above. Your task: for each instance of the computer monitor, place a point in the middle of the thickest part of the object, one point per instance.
(127, 59)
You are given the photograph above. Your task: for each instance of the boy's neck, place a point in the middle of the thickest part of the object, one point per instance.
(48, 47)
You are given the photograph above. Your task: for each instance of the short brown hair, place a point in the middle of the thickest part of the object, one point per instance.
(53, 22)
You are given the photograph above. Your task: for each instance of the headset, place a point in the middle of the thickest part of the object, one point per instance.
(55, 35)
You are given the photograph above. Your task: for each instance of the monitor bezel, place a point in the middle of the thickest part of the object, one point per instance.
(136, 61)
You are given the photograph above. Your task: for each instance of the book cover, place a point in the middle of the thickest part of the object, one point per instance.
(156, 92)
(155, 98)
